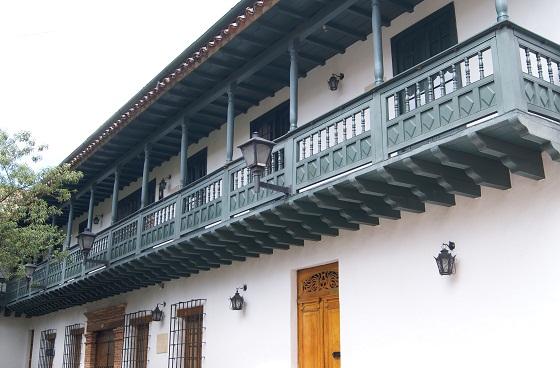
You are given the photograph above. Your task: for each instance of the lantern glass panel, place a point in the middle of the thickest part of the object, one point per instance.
(333, 83)
(263, 151)
(157, 314)
(256, 151)
(29, 269)
(85, 240)
(445, 262)
(236, 301)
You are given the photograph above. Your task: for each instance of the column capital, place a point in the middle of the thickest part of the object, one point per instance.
(148, 148)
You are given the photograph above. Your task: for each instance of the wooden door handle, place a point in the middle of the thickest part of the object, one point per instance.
(336, 354)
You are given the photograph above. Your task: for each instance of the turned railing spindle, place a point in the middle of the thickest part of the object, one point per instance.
(319, 141)
(354, 125)
(549, 67)
(311, 144)
(430, 94)
(417, 99)
(454, 75)
(480, 65)
(407, 100)
(396, 99)
(441, 83)
(363, 120)
(335, 133)
(344, 136)
(528, 61)
(539, 66)
(328, 142)
(467, 71)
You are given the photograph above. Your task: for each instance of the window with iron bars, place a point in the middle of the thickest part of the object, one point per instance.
(73, 335)
(186, 334)
(136, 336)
(46, 348)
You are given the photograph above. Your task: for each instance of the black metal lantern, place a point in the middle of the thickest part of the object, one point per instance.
(85, 240)
(334, 80)
(29, 269)
(256, 153)
(446, 260)
(162, 186)
(157, 314)
(237, 300)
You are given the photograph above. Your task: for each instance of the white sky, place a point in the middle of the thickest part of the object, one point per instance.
(66, 66)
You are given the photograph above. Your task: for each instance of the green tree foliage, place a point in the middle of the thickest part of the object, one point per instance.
(29, 198)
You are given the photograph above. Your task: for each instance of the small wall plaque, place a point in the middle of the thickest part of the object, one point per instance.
(162, 343)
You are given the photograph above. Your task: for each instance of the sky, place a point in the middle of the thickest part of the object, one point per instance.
(67, 66)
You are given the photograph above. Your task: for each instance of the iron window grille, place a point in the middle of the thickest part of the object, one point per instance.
(46, 348)
(73, 336)
(186, 334)
(136, 337)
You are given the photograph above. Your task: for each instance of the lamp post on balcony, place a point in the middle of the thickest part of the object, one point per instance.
(85, 241)
(257, 152)
(29, 269)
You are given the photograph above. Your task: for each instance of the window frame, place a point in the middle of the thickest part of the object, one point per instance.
(445, 11)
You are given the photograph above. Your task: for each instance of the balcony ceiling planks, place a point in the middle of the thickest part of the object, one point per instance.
(254, 41)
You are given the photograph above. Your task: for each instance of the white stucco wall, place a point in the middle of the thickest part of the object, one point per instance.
(14, 341)
(499, 309)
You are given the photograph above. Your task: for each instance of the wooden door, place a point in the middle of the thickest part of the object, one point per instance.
(105, 349)
(318, 317)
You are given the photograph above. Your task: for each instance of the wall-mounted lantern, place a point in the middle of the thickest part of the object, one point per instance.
(97, 220)
(237, 300)
(446, 260)
(334, 80)
(29, 270)
(162, 186)
(85, 241)
(157, 314)
(257, 153)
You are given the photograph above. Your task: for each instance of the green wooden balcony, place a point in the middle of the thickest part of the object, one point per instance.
(466, 118)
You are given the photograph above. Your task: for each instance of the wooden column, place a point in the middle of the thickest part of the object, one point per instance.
(293, 86)
(502, 10)
(115, 200)
(146, 176)
(230, 123)
(184, 154)
(90, 209)
(70, 220)
(377, 42)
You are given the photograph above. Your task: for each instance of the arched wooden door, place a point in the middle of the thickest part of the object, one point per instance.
(318, 317)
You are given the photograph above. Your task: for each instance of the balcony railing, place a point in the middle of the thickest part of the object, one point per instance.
(504, 68)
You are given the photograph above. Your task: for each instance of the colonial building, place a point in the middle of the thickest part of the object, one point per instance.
(404, 130)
